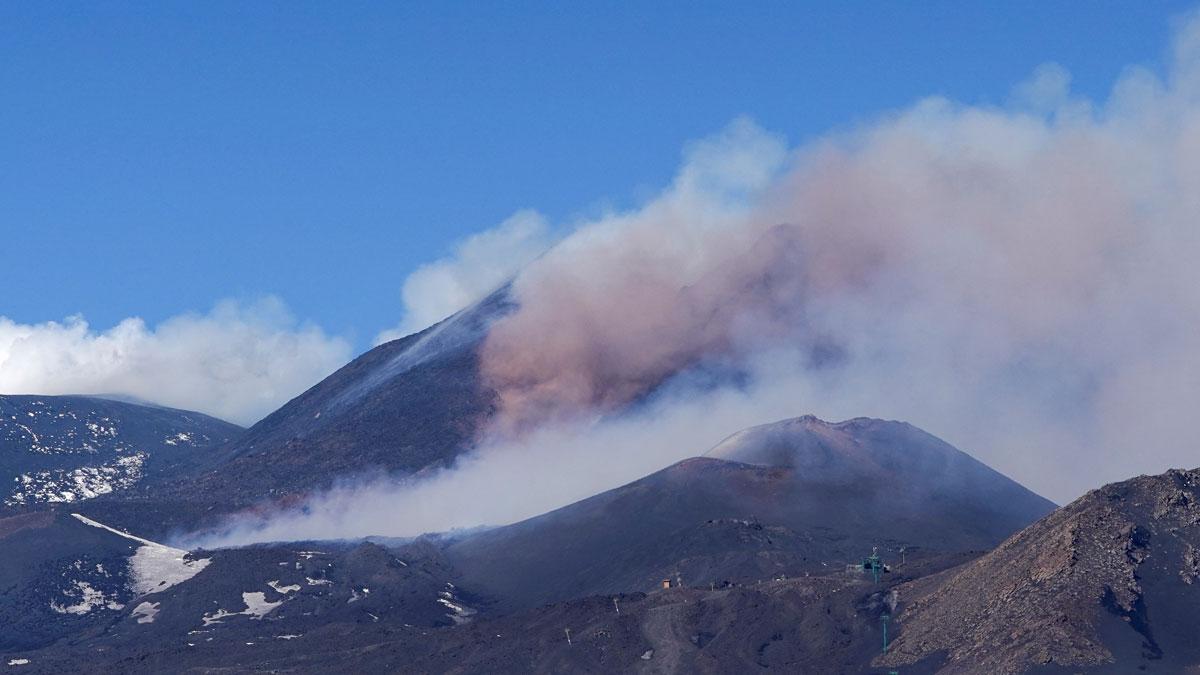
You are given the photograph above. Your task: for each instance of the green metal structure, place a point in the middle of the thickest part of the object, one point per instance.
(873, 563)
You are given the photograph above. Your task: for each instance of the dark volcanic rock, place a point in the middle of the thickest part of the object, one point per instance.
(815, 625)
(911, 472)
(56, 449)
(68, 580)
(826, 495)
(744, 536)
(407, 405)
(60, 575)
(1107, 583)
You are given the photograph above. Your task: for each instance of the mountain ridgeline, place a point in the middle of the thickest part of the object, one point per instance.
(1107, 584)
(61, 449)
(408, 405)
(751, 555)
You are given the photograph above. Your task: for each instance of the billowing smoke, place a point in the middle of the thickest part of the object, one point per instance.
(1019, 280)
(238, 362)
(633, 298)
(478, 265)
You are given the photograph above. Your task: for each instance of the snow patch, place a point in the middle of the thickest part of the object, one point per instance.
(216, 616)
(145, 612)
(56, 486)
(154, 567)
(459, 612)
(89, 598)
(283, 589)
(257, 607)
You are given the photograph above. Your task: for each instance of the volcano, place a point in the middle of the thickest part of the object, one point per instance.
(796, 497)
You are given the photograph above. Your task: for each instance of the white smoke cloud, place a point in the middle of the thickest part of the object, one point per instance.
(1020, 281)
(238, 362)
(478, 265)
(503, 482)
(626, 300)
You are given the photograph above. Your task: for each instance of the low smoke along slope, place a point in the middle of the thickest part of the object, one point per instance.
(761, 554)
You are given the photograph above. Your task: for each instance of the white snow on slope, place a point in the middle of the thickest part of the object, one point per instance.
(215, 617)
(89, 598)
(283, 589)
(145, 612)
(154, 567)
(181, 437)
(460, 613)
(257, 607)
(85, 482)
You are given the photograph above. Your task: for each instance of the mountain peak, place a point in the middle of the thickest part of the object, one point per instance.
(809, 442)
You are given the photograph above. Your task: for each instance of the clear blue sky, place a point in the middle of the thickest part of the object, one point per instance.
(156, 157)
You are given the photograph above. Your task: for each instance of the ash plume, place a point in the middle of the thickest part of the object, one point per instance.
(1019, 280)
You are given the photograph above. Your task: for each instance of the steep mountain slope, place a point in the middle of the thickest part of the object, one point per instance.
(819, 498)
(915, 472)
(404, 406)
(1108, 583)
(71, 448)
